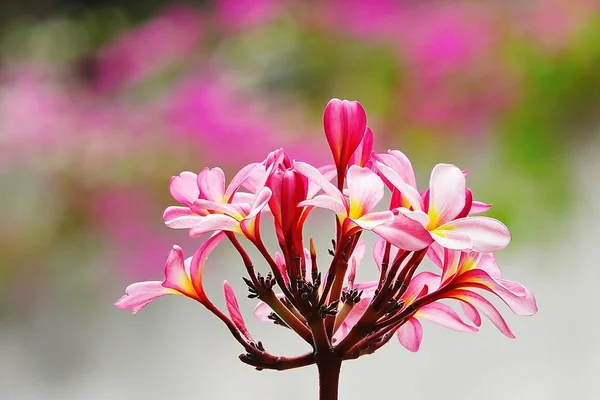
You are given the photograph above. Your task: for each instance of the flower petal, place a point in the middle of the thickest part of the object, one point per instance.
(488, 235)
(211, 183)
(262, 312)
(176, 276)
(181, 217)
(314, 175)
(140, 294)
(184, 188)
(234, 310)
(365, 190)
(240, 178)
(400, 163)
(485, 307)
(471, 313)
(447, 194)
(214, 222)
(478, 207)
(410, 335)
(411, 198)
(363, 152)
(199, 259)
(452, 239)
(327, 202)
(373, 220)
(445, 316)
(404, 233)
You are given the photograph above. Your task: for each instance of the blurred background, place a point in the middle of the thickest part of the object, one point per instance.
(101, 102)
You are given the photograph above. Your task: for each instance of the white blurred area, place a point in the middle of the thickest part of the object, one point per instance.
(174, 349)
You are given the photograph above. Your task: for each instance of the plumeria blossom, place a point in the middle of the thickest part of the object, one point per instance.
(443, 210)
(339, 316)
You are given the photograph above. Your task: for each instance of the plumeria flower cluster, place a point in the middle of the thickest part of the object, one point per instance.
(338, 316)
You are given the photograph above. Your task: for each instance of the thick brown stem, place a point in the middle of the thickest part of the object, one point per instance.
(329, 364)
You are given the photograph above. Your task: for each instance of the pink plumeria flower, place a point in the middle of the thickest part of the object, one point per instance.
(462, 272)
(182, 277)
(211, 207)
(355, 210)
(443, 209)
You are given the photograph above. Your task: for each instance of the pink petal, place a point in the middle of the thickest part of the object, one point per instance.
(410, 196)
(405, 233)
(516, 296)
(214, 222)
(447, 194)
(184, 188)
(199, 259)
(262, 312)
(327, 202)
(240, 178)
(234, 310)
(365, 190)
(363, 152)
(344, 123)
(488, 263)
(379, 250)
(485, 307)
(373, 220)
(140, 294)
(418, 283)
(418, 216)
(471, 313)
(212, 184)
(232, 210)
(452, 239)
(329, 172)
(445, 316)
(398, 161)
(181, 217)
(280, 261)
(436, 254)
(314, 175)
(478, 207)
(410, 335)
(175, 273)
(260, 201)
(488, 235)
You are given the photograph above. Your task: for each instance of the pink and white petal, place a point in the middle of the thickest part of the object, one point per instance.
(489, 264)
(184, 188)
(419, 216)
(400, 163)
(516, 296)
(452, 240)
(365, 190)
(363, 152)
(314, 175)
(418, 283)
(329, 172)
(280, 262)
(485, 307)
(175, 273)
(327, 202)
(471, 313)
(262, 312)
(199, 259)
(478, 207)
(410, 335)
(447, 194)
(436, 254)
(379, 250)
(234, 310)
(211, 183)
(180, 217)
(452, 262)
(373, 220)
(404, 233)
(410, 196)
(240, 178)
(260, 201)
(243, 198)
(488, 234)
(445, 316)
(213, 206)
(214, 222)
(139, 295)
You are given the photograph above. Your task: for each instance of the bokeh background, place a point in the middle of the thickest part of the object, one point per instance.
(102, 101)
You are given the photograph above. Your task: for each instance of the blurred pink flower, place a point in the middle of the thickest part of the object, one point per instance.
(244, 14)
(168, 38)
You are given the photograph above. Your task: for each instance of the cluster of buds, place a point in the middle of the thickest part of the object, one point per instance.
(340, 317)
